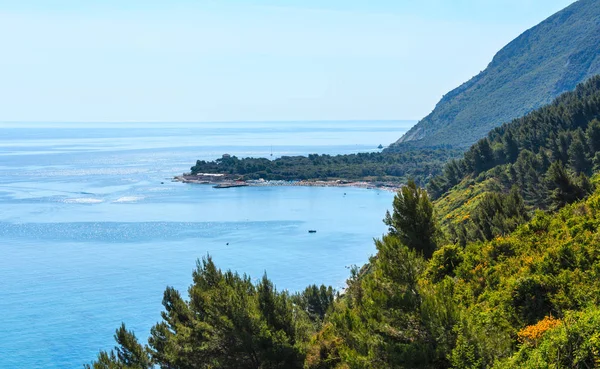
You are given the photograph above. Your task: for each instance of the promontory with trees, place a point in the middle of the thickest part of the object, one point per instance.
(420, 165)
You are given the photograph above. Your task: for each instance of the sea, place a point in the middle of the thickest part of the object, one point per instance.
(92, 229)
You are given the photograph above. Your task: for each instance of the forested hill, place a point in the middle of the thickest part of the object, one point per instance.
(547, 156)
(543, 62)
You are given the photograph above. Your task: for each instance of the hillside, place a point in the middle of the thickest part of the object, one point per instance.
(547, 155)
(513, 282)
(540, 64)
(510, 279)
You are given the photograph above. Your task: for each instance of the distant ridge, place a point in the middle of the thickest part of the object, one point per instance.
(529, 72)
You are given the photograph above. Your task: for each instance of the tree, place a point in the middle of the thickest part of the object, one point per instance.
(510, 147)
(578, 154)
(527, 172)
(593, 136)
(412, 220)
(482, 156)
(562, 188)
(228, 323)
(129, 354)
(496, 214)
(316, 301)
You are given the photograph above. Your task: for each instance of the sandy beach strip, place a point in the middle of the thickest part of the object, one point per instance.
(225, 180)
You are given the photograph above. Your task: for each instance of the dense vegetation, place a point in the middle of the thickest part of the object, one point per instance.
(228, 322)
(545, 61)
(545, 156)
(420, 165)
(526, 300)
(502, 270)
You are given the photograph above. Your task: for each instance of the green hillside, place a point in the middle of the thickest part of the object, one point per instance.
(501, 271)
(543, 62)
(546, 156)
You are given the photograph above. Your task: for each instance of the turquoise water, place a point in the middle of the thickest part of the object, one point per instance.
(89, 237)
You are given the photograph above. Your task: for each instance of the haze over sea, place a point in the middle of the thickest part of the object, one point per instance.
(89, 236)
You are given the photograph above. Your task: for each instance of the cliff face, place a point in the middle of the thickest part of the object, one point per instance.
(529, 72)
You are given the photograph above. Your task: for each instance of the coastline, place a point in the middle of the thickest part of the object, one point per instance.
(228, 181)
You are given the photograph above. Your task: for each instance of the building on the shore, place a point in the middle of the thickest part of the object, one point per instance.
(210, 175)
(226, 156)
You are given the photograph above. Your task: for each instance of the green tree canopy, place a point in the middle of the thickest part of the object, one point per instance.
(412, 219)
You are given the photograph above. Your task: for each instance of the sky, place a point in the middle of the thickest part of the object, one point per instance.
(262, 60)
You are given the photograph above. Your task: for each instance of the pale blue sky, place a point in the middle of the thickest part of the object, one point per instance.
(184, 60)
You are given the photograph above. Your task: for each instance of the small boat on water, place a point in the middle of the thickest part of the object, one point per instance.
(312, 231)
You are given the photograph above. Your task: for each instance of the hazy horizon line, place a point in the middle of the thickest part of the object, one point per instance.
(210, 121)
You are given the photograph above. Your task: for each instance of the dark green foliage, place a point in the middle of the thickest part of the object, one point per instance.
(227, 323)
(315, 301)
(481, 157)
(129, 351)
(578, 153)
(129, 354)
(444, 262)
(510, 148)
(509, 285)
(593, 135)
(465, 355)
(233, 322)
(540, 64)
(563, 188)
(383, 320)
(530, 298)
(418, 164)
(477, 300)
(496, 214)
(567, 132)
(412, 219)
(527, 173)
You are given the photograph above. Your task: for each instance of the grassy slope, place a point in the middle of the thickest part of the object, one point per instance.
(459, 202)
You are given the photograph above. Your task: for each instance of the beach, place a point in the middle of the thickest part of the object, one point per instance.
(226, 181)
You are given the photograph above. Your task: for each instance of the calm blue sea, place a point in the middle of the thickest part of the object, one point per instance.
(89, 237)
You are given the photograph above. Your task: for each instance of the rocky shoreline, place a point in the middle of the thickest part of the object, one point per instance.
(228, 181)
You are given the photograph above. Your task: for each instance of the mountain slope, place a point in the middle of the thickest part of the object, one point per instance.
(543, 62)
(545, 157)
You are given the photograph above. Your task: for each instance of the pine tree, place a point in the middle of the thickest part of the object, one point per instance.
(578, 154)
(316, 301)
(412, 220)
(562, 188)
(510, 147)
(592, 134)
(129, 354)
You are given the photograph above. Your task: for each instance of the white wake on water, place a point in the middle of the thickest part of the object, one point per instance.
(129, 199)
(83, 200)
